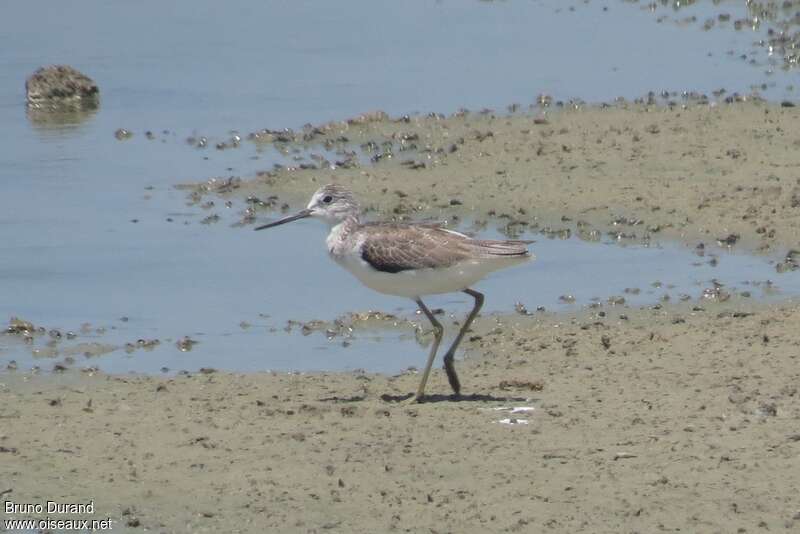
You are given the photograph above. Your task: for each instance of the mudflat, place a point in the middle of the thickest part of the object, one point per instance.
(675, 417)
(691, 172)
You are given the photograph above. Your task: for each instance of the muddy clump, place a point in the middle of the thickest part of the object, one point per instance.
(24, 329)
(61, 88)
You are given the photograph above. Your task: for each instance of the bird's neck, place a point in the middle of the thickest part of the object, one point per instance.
(348, 223)
(340, 232)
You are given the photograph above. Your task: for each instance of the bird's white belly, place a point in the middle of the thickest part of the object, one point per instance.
(419, 282)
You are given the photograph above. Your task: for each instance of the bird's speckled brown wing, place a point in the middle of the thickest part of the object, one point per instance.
(393, 248)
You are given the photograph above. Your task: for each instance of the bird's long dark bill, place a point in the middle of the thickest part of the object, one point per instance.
(299, 215)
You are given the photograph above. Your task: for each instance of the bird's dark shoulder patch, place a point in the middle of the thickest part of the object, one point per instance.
(381, 260)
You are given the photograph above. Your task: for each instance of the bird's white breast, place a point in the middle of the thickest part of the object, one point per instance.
(418, 282)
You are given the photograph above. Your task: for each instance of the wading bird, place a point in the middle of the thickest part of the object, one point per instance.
(409, 260)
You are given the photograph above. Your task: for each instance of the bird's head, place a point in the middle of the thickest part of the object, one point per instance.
(332, 203)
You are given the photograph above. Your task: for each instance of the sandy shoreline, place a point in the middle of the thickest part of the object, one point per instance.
(701, 173)
(687, 421)
(655, 419)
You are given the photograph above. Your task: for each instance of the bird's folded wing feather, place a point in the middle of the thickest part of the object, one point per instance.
(394, 248)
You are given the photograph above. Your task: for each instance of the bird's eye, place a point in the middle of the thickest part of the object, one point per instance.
(328, 199)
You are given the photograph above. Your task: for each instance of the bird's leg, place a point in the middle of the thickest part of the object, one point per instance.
(449, 367)
(437, 338)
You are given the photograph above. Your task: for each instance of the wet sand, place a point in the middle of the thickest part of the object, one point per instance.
(686, 421)
(700, 173)
(679, 417)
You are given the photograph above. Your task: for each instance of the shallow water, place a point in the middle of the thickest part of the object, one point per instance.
(234, 290)
(206, 65)
(85, 235)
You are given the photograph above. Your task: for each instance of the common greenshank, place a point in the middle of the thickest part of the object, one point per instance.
(409, 260)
